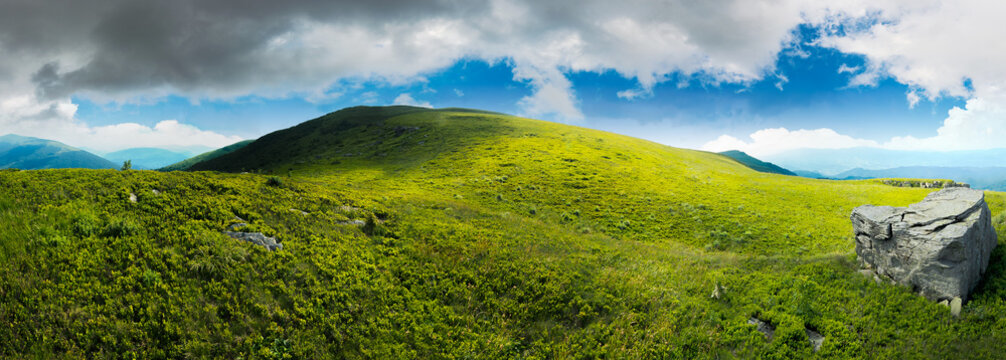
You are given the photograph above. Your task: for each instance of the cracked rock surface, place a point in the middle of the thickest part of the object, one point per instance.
(938, 247)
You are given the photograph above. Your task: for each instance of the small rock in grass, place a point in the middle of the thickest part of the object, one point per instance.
(763, 327)
(132, 197)
(816, 339)
(955, 307)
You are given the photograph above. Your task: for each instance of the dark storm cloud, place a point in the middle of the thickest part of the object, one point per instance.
(120, 49)
(134, 45)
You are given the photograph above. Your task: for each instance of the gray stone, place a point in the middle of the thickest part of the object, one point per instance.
(234, 227)
(132, 197)
(816, 339)
(763, 327)
(955, 306)
(944, 302)
(256, 238)
(352, 222)
(938, 247)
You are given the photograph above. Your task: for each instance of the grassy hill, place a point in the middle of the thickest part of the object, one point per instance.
(24, 152)
(756, 164)
(187, 163)
(484, 236)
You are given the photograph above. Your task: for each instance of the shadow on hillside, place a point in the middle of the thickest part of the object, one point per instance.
(363, 136)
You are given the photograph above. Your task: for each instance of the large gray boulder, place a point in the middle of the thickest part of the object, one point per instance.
(938, 247)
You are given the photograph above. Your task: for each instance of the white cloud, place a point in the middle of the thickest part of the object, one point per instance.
(773, 141)
(633, 94)
(913, 98)
(56, 121)
(842, 69)
(782, 81)
(459, 93)
(165, 134)
(981, 124)
(406, 99)
(551, 96)
(939, 49)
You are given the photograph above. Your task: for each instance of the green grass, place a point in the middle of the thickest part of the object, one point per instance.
(486, 236)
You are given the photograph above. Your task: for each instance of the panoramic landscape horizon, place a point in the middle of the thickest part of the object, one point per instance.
(502, 179)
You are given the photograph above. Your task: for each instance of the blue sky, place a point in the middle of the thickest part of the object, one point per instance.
(760, 76)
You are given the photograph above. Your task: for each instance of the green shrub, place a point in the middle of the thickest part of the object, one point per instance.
(85, 224)
(120, 227)
(274, 181)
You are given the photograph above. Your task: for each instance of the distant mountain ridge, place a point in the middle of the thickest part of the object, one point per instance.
(756, 164)
(985, 178)
(147, 158)
(831, 162)
(30, 153)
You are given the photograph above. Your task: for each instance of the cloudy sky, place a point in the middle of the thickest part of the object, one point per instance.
(762, 76)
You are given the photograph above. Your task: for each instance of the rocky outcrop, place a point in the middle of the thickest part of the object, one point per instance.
(934, 184)
(938, 247)
(256, 238)
(762, 327)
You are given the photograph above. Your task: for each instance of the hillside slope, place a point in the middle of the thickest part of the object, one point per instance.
(206, 156)
(416, 233)
(24, 152)
(618, 185)
(756, 164)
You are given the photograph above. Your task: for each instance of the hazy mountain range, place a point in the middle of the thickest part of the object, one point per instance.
(24, 152)
(983, 169)
(832, 162)
(29, 153)
(148, 158)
